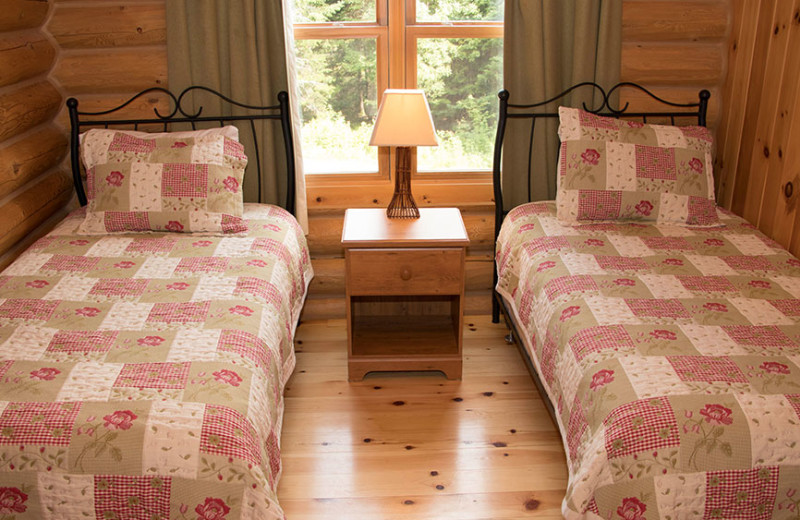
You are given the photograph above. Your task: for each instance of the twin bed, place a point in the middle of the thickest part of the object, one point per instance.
(142, 369)
(662, 330)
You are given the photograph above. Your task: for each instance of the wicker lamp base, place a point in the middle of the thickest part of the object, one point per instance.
(402, 204)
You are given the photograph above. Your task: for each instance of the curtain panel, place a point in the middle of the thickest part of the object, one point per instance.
(243, 49)
(550, 45)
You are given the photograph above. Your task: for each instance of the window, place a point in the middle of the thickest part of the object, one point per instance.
(350, 51)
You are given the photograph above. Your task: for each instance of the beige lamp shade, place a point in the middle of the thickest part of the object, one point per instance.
(404, 119)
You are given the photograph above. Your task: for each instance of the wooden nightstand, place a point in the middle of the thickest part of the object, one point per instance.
(405, 291)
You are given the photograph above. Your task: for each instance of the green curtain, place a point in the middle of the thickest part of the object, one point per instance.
(550, 45)
(243, 49)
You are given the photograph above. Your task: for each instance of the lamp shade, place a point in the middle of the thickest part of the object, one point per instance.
(404, 119)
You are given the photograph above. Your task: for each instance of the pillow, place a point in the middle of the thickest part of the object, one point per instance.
(182, 181)
(611, 169)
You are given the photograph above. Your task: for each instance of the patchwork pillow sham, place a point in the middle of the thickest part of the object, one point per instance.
(612, 169)
(180, 182)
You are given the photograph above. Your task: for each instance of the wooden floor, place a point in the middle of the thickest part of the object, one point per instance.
(417, 446)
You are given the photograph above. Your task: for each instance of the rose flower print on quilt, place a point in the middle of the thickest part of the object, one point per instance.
(672, 358)
(142, 375)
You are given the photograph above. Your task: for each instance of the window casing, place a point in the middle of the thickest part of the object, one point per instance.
(405, 56)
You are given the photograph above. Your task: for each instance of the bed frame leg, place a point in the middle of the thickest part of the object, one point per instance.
(495, 310)
(509, 338)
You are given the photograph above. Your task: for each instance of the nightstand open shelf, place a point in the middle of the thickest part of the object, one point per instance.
(405, 291)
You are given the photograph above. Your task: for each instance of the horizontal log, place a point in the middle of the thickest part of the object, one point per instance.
(27, 158)
(24, 108)
(103, 26)
(29, 209)
(22, 14)
(112, 70)
(23, 56)
(673, 20)
(378, 195)
(41, 230)
(676, 63)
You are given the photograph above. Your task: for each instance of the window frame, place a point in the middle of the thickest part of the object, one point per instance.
(395, 27)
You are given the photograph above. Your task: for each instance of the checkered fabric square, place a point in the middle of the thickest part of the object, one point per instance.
(74, 264)
(228, 433)
(668, 243)
(274, 453)
(706, 284)
(132, 497)
(702, 211)
(259, 288)
(28, 309)
(709, 369)
(40, 424)
(664, 308)
(744, 494)
(273, 247)
(595, 121)
(4, 366)
(789, 307)
(547, 362)
(748, 263)
(153, 375)
(68, 341)
(600, 338)
(544, 244)
(697, 132)
(123, 142)
(526, 305)
(126, 220)
(620, 263)
(42, 243)
(152, 245)
(119, 287)
(642, 425)
(794, 402)
(758, 335)
(528, 210)
(575, 428)
(233, 148)
(186, 312)
(246, 345)
(231, 224)
(184, 180)
(599, 204)
(564, 285)
(202, 264)
(655, 162)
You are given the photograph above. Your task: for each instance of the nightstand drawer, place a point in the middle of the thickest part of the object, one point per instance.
(405, 271)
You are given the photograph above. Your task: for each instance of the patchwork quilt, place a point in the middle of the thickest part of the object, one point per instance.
(142, 375)
(672, 358)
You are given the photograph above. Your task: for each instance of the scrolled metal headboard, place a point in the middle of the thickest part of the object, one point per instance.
(180, 114)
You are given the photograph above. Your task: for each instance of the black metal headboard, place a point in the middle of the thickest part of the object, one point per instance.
(180, 114)
(695, 112)
(536, 111)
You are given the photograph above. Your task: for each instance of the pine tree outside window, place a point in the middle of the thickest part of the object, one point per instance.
(350, 51)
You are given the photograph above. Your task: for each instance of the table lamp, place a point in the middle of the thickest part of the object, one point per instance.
(404, 120)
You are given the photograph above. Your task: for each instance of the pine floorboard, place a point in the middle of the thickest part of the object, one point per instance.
(415, 445)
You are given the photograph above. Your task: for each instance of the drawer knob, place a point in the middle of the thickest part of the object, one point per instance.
(406, 274)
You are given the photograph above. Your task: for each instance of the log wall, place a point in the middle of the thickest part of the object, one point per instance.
(34, 188)
(109, 49)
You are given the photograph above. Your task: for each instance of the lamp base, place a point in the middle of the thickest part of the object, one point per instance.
(402, 204)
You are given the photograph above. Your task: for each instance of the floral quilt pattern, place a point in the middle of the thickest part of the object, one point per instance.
(672, 358)
(142, 375)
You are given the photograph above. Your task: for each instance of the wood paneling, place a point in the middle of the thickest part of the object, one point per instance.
(32, 187)
(757, 161)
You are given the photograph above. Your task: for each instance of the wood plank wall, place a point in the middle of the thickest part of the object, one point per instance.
(758, 159)
(109, 49)
(33, 186)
